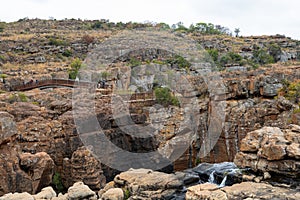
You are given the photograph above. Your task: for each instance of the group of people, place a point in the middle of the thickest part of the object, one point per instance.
(102, 84)
(30, 82)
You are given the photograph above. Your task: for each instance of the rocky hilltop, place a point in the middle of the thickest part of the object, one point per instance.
(43, 154)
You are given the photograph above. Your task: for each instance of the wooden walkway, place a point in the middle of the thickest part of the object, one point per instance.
(52, 83)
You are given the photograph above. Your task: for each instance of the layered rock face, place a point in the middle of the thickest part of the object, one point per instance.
(272, 150)
(83, 166)
(21, 171)
(250, 105)
(43, 123)
(24, 172)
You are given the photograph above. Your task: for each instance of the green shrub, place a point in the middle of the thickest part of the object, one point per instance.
(57, 42)
(60, 56)
(214, 54)
(75, 66)
(291, 91)
(105, 75)
(57, 182)
(35, 103)
(163, 26)
(67, 53)
(133, 62)
(235, 57)
(23, 97)
(12, 98)
(127, 194)
(165, 97)
(17, 98)
(261, 56)
(231, 58)
(2, 58)
(179, 61)
(96, 25)
(275, 51)
(296, 111)
(3, 77)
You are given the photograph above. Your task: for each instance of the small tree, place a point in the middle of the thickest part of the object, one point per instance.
(97, 25)
(165, 97)
(75, 66)
(57, 182)
(237, 31)
(3, 77)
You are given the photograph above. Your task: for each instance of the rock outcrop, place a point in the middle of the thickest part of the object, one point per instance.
(145, 184)
(78, 191)
(24, 172)
(8, 127)
(245, 190)
(83, 166)
(113, 194)
(272, 150)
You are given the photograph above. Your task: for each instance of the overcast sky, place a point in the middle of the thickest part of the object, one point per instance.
(253, 17)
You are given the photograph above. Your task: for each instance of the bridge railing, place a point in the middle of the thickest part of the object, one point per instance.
(51, 82)
(73, 83)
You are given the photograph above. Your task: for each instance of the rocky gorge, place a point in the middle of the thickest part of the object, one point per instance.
(43, 155)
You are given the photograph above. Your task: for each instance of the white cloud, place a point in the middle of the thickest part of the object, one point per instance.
(253, 17)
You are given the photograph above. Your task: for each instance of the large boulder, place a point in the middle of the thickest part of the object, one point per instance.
(17, 196)
(272, 150)
(113, 194)
(7, 127)
(24, 172)
(79, 191)
(40, 167)
(46, 193)
(146, 184)
(245, 190)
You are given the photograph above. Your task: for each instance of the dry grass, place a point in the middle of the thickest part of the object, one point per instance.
(18, 37)
(35, 67)
(67, 34)
(98, 35)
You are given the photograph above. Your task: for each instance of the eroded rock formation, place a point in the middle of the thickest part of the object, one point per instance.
(272, 150)
(245, 190)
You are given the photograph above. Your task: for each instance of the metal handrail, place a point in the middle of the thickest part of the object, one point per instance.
(49, 82)
(74, 83)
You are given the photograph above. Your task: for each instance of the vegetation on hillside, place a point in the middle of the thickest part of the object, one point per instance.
(57, 182)
(75, 67)
(224, 50)
(165, 97)
(291, 91)
(261, 56)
